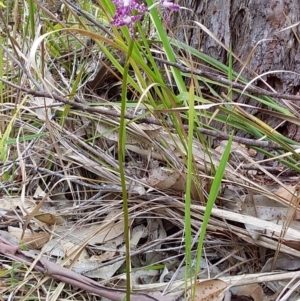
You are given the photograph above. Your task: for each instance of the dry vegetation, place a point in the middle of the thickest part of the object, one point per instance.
(61, 194)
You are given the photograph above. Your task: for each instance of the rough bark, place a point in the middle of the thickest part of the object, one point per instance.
(248, 25)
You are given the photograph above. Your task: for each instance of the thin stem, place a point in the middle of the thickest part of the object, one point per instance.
(122, 139)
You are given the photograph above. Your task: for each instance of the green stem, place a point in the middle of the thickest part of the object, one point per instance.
(121, 146)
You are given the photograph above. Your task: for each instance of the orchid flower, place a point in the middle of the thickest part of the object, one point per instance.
(128, 12)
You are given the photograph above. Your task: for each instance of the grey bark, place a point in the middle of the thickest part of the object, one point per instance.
(246, 25)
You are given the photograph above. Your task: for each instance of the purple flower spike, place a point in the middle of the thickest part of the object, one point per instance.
(130, 11)
(127, 13)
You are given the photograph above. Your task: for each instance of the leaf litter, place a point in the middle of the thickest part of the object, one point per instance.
(87, 232)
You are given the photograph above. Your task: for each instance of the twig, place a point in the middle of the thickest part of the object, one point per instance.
(221, 79)
(87, 16)
(247, 141)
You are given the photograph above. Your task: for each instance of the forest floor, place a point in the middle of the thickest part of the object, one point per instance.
(116, 177)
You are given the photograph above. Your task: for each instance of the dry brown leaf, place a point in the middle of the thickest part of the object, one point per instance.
(209, 290)
(251, 290)
(91, 269)
(64, 249)
(8, 203)
(32, 240)
(288, 192)
(49, 218)
(163, 178)
(92, 232)
(96, 237)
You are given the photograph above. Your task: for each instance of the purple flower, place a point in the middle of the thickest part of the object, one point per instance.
(130, 11)
(127, 13)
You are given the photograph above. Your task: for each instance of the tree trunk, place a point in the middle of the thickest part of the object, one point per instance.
(247, 26)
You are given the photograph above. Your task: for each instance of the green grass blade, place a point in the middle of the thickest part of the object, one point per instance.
(214, 191)
(189, 181)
